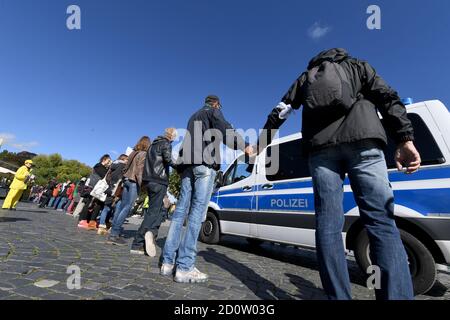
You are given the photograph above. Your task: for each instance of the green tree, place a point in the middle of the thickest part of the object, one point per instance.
(174, 184)
(54, 166)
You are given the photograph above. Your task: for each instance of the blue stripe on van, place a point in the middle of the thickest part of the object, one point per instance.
(425, 201)
(394, 176)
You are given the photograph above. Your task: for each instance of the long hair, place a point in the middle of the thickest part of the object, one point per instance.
(143, 144)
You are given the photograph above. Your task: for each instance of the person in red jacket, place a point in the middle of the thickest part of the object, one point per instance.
(54, 195)
(69, 194)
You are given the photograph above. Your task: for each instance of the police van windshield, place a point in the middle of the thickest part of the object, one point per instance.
(240, 170)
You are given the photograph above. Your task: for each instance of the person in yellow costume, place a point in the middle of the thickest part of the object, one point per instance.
(18, 186)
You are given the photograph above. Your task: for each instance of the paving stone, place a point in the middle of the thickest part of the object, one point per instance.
(35, 250)
(46, 283)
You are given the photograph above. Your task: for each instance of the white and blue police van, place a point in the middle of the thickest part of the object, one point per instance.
(279, 207)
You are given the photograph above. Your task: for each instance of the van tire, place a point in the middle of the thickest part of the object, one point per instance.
(210, 231)
(422, 264)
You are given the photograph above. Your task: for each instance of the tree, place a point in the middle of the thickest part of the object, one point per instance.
(174, 184)
(54, 166)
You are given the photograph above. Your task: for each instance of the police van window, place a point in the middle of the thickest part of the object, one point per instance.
(238, 171)
(292, 163)
(228, 178)
(243, 170)
(424, 142)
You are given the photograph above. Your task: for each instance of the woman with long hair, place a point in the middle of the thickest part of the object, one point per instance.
(132, 181)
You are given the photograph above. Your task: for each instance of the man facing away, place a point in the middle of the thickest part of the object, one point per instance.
(200, 158)
(343, 134)
(156, 181)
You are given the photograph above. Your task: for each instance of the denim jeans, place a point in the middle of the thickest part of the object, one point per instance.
(365, 165)
(56, 203)
(51, 201)
(62, 203)
(194, 200)
(153, 216)
(107, 210)
(129, 196)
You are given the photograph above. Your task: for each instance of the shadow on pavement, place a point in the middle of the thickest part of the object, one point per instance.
(438, 290)
(288, 254)
(260, 286)
(306, 289)
(11, 219)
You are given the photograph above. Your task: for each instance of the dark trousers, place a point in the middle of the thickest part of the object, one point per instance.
(154, 216)
(91, 212)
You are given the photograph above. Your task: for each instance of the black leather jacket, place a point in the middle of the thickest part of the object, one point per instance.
(158, 161)
(373, 94)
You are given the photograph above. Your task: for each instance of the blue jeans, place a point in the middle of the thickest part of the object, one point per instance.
(194, 199)
(62, 202)
(106, 211)
(129, 196)
(365, 165)
(50, 203)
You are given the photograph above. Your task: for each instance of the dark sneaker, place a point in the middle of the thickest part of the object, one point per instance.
(118, 241)
(138, 251)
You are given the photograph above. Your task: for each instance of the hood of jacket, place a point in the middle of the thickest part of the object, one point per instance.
(160, 139)
(332, 55)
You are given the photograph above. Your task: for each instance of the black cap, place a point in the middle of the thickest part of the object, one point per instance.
(212, 98)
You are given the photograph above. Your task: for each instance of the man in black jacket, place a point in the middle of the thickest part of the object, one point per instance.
(156, 180)
(349, 138)
(200, 156)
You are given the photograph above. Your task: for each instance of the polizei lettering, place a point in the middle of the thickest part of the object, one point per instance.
(289, 203)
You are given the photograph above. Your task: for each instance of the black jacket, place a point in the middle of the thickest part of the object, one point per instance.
(336, 126)
(115, 176)
(158, 161)
(98, 173)
(207, 129)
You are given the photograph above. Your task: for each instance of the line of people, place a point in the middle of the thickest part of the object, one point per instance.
(147, 169)
(342, 135)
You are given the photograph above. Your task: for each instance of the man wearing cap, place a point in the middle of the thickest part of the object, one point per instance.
(198, 162)
(18, 186)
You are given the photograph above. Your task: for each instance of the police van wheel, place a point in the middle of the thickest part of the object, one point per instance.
(421, 262)
(210, 232)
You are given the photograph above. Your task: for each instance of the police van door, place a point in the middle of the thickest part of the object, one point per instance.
(236, 198)
(285, 198)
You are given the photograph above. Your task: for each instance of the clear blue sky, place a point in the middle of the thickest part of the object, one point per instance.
(139, 66)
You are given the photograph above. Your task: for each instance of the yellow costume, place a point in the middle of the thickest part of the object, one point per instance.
(17, 187)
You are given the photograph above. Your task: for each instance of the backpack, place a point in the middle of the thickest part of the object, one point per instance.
(327, 86)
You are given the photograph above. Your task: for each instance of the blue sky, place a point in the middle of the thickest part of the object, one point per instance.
(139, 66)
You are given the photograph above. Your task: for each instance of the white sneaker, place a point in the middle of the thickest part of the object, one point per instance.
(150, 247)
(167, 269)
(193, 276)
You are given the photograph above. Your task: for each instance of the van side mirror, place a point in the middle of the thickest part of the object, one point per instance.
(219, 179)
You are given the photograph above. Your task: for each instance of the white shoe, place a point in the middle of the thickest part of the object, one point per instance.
(150, 247)
(193, 276)
(167, 269)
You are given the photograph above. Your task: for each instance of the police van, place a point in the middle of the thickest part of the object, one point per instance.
(279, 207)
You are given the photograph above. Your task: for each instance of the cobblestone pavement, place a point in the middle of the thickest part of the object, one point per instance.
(37, 246)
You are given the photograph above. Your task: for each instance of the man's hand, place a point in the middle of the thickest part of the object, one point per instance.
(407, 157)
(250, 151)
